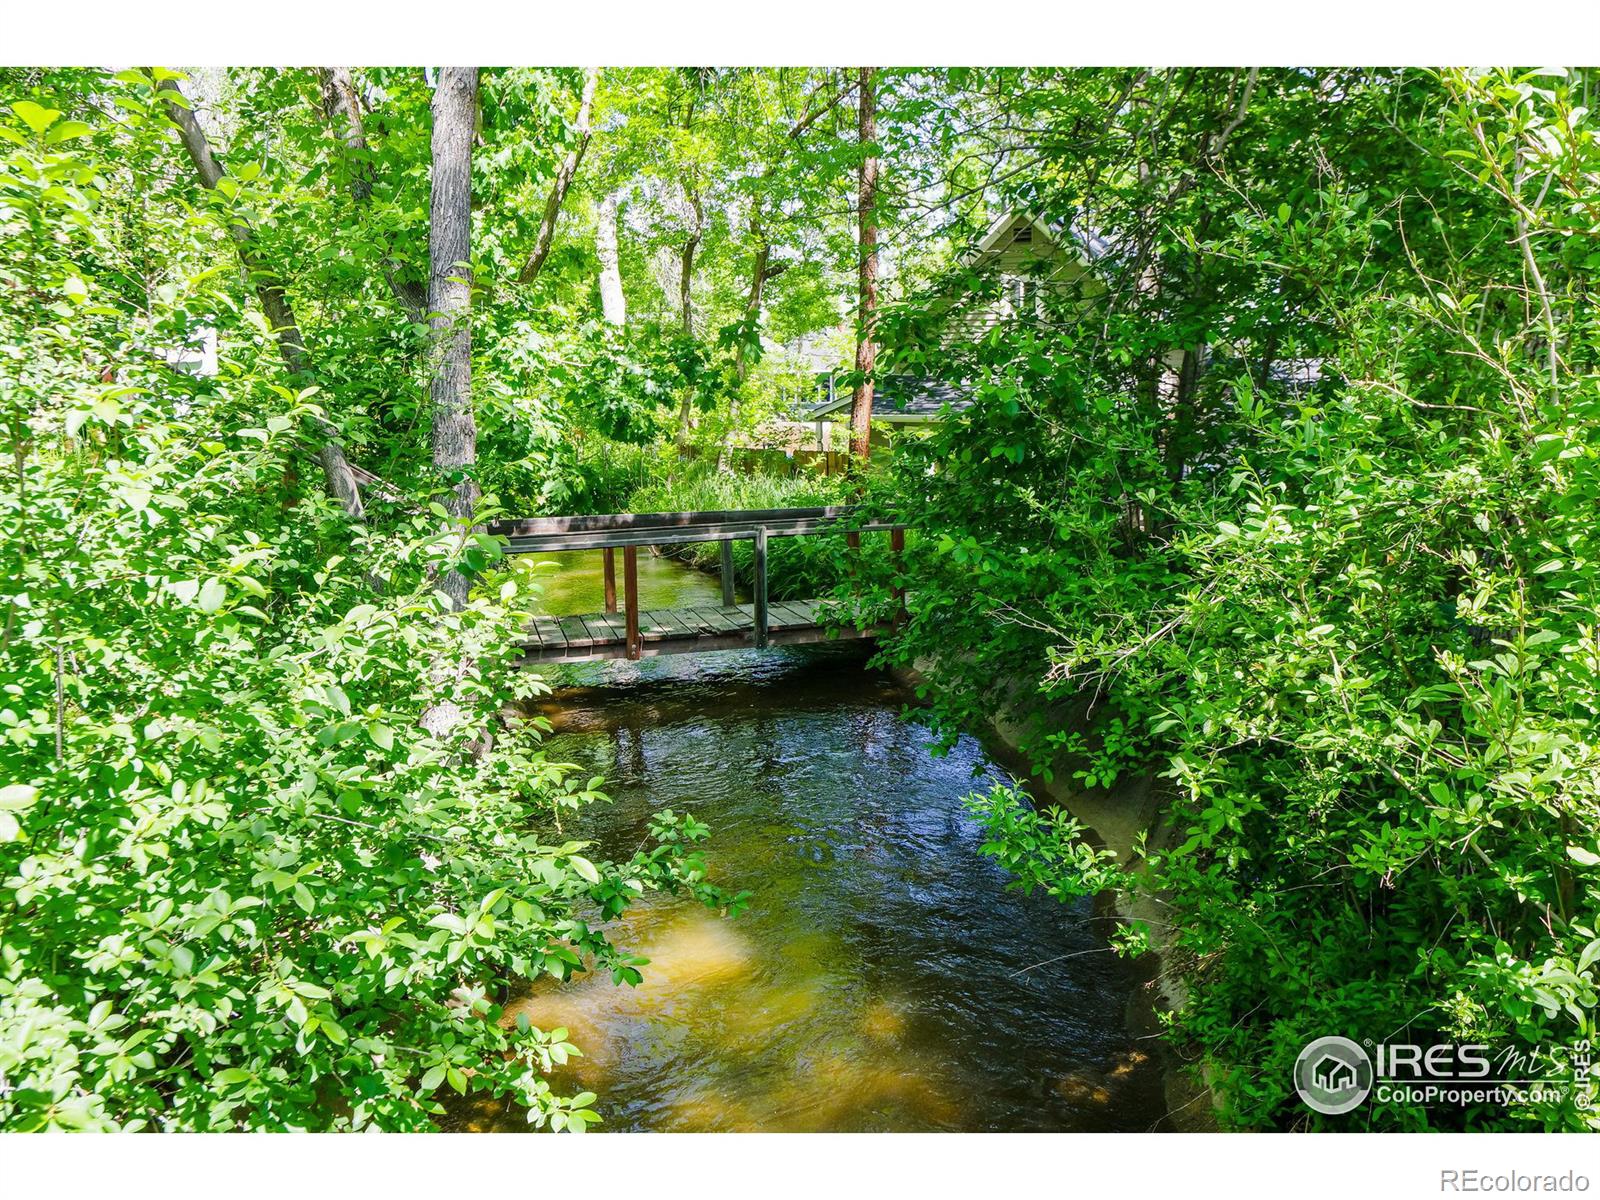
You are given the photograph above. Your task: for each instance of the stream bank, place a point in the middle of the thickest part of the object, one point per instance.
(1115, 818)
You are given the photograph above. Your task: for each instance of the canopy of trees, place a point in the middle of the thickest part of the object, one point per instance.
(1287, 486)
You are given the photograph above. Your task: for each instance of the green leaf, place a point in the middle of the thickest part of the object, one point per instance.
(584, 868)
(66, 131)
(38, 117)
(212, 594)
(1590, 953)
(18, 796)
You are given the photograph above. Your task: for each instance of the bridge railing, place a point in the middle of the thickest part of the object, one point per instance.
(609, 532)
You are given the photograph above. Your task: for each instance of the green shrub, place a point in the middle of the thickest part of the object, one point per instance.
(1355, 631)
(240, 887)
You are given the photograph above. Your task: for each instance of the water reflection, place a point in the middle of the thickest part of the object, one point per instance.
(880, 979)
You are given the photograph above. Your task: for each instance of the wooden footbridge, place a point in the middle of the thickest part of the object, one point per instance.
(642, 633)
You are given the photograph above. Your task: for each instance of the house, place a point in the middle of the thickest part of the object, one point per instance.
(1022, 267)
(1018, 262)
(896, 400)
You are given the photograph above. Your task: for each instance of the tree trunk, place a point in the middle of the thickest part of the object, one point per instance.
(1183, 416)
(686, 305)
(338, 478)
(612, 304)
(455, 439)
(867, 307)
(343, 108)
(762, 272)
(563, 180)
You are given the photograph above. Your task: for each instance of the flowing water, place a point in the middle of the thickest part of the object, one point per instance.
(883, 977)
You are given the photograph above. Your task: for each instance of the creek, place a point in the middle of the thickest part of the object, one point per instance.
(883, 977)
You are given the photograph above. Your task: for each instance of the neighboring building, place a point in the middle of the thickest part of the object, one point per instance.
(1018, 262)
(896, 400)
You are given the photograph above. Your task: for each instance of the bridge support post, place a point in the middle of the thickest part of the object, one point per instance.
(761, 588)
(897, 549)
(630, 599)
(611, 578)
(727, 574)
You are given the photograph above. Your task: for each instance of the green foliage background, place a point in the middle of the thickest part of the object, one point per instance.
(1352, 625)
(240, 887)
(1290, 488)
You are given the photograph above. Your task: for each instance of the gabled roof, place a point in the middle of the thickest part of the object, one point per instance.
(899, 399)
(1089, 247)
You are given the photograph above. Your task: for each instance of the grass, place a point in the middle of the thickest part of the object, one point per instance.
(797, 567)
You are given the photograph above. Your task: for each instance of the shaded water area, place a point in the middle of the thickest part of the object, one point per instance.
(883, 977)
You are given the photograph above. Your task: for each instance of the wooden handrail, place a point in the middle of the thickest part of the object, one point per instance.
(596, 522)
(629, 531)
(535, 535)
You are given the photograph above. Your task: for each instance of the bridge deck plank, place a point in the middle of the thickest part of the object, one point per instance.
(723, 620)
(547, 632)
(785, 614)
(576, 633)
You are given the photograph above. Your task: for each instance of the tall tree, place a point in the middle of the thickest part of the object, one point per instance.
(455, 437)
(612, 303)
(867, 242)
(691, 244)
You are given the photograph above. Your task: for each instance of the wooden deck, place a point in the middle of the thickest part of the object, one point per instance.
(595, 636)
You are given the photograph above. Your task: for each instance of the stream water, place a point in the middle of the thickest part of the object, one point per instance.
(883, 977)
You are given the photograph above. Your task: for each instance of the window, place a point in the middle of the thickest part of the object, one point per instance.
(1021, 294)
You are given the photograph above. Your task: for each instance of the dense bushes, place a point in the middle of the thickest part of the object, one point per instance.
(1356, 628)
(239, 886)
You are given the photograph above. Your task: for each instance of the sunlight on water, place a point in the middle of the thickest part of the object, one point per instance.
(883, 977)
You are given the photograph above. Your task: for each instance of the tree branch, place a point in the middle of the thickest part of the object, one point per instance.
(342, 105)
(563, 180)
(340, 479)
